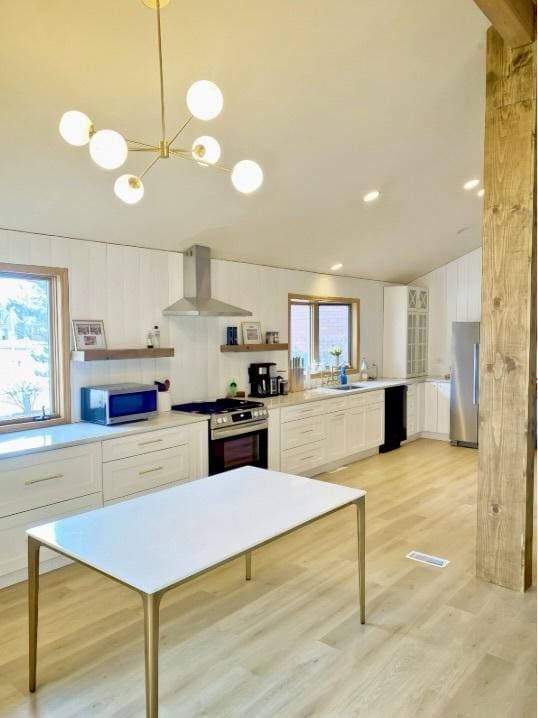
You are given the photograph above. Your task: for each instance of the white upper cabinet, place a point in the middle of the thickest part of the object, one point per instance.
(405, 332)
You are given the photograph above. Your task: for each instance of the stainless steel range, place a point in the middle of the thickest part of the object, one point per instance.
(238, 432)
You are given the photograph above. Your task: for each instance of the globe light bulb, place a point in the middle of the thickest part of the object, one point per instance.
(206, 150)
(129, 189)
(108, 149)
(247, 176)
(75, 128)
(204, 100)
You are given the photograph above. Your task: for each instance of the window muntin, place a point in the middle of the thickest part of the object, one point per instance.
(34, 346)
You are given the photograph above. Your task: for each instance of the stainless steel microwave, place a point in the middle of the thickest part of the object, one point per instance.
(118, 403)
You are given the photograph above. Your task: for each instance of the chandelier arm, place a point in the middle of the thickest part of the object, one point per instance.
(143, 149)
(174, 138)
(161, 75)
(148, 167)
(181, 154)
(142, 144)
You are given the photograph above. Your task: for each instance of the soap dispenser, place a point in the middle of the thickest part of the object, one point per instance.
(343, 375)
(363, 370)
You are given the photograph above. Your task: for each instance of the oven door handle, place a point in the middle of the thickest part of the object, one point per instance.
(226, 433)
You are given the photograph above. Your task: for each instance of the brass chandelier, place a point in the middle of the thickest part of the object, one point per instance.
(109, 149)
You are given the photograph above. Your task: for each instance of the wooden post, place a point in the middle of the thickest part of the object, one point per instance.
(508, 328)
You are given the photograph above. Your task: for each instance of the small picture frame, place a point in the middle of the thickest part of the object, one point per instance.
(89, 334)
(252, 332)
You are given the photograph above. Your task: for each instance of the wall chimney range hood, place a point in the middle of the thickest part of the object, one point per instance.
(198, 301)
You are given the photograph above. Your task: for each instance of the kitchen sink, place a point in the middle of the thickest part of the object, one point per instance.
(346, 387)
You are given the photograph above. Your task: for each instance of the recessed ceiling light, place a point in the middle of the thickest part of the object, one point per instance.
(336, 267)
(471, 184)
(370, 196)
(480, 192)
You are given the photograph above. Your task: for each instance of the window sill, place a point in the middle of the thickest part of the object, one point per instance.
(7, 428)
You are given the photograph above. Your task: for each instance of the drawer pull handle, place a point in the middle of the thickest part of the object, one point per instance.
(147, 443)
(305, 458)
(45, 478)
(307, 431)
(150, 471)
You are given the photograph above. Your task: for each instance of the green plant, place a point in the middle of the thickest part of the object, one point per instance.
(335, 351)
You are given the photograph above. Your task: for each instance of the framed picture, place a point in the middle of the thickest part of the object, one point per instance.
(252, 332)
(89, 334)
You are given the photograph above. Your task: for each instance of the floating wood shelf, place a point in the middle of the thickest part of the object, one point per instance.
(253, 347)
(111, 354)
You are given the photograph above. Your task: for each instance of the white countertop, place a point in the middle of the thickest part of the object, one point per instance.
(303, 397)
(154, 541)
(16, 443)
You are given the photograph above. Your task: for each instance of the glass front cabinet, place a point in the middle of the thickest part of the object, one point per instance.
(405, 332)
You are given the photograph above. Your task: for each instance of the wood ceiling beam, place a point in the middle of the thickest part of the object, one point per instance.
(508, 326)
(514, 20)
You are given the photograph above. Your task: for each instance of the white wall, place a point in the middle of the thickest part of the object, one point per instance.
(454, 291)
(128, 287)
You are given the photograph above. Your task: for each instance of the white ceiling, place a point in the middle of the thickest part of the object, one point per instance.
(332, 98)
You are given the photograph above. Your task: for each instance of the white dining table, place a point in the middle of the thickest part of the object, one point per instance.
(156, 542)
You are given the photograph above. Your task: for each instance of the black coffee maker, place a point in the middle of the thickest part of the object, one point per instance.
(263, 379)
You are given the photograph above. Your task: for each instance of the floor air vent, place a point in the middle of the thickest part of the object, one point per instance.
(426, 558)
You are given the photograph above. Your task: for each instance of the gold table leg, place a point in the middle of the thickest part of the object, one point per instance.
(151, 602)
(362, 557)
(248, 566)
(33, 605)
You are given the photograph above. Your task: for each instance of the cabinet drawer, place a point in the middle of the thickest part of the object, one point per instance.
(28, 482)
(303, 411)
(140, 473)
(332, 405)
(304, 458)
(366, 399)
(145, 493)
(138, 444)
(305, 431)
(13, 544)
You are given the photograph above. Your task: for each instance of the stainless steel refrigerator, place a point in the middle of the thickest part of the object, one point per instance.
(464, 386)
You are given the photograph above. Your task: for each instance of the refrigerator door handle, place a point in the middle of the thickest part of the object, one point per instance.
(476, 372)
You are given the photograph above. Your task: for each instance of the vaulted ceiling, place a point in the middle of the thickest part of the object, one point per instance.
(332, 98)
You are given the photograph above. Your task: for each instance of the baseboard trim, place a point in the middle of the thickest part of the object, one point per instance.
(434, 435)
(331, 466)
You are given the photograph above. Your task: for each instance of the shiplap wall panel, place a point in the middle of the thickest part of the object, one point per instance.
(128, 287)
(454, 297)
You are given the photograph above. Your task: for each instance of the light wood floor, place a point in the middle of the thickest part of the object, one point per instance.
(437, 643)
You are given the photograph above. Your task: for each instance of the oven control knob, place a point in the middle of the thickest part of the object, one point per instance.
(219, 421)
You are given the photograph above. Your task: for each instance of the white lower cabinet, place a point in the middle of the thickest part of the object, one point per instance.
(304, 458)
(273, 450)
(44, 478)
(44, 486)
(355, 430)
(13, 545)
(374, 425)
(136, 474)
(331, 430)
(437, 407)
(336, 435)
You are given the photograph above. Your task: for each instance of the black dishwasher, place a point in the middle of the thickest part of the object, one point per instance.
(395, 418)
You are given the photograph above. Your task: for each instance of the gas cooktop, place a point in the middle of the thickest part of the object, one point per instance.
(220, 406)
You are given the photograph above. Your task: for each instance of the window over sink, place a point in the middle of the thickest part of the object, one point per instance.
(319, 326)
(34, 346)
